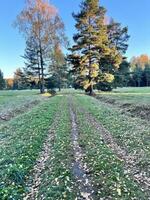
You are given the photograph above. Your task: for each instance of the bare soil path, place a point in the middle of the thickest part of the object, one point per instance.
(79, 168)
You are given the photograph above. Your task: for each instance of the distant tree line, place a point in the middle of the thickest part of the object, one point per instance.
(2, 81)
(135, 73)
(140, 71)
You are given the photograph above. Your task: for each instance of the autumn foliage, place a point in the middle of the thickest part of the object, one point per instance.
(42, 27)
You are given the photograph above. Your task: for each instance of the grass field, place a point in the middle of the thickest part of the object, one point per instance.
(132, 101)
(13, 103)
(73, 146)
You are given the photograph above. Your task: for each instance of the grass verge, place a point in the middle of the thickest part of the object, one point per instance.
(106, 169)
(21, 142)
(130, 133)
(13, 103)
(57, 179)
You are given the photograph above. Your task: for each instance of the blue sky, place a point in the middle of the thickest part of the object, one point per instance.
(132, 13)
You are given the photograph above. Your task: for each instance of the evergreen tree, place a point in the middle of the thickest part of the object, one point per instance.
(122, 75)
(2, 80)
(118, 36)
(92, 46)
(58, 66)
(137, 76)
(20, 80)
(32, 62)
(146, 75)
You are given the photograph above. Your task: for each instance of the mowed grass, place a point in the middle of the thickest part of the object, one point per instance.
(140, 96)
(57, 179)
(13, 103)
(138, 90)
(131, 133)
(21, 141)
(106, 169)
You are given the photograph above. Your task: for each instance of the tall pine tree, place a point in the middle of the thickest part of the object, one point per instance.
(58, 66)
(33, 68)
(92, 46)
(2, 80)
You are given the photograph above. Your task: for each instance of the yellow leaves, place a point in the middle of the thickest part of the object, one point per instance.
(46, 95)
(84, 72)
(94, 70)
(94, 74)
(118, 60)
(45, 8)
(95, 66)
(35, 17)
(84, 59)
(108, 77)
(86, 84)
(119, 191)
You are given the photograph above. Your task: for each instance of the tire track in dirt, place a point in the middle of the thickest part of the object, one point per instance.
(44, 155)
(79, 168)
(130, 167)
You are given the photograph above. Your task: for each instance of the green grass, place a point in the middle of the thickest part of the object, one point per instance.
(106, 170)
(13, 103)
(135, 96)
(133, 90)
(18, 92)
(126, 98)
(22, 138)
(131, 133)
(21, 141)
(57, 181)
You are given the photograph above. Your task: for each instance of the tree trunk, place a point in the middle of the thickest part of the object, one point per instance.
(59, 84)
(91, 90)
(147, 82)
(39, 76)
(42, 89)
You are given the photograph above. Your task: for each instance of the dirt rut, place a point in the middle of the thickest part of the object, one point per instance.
(79, 168)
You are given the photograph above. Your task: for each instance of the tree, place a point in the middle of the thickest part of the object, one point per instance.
(58, 66)
(9, 83)
(137, 76)
(2, 80)
(32, 63)
(146, 75)
(20, 80)
(139, 61)
(122, 75)
(118, 36)
(40, 20)
(92, 47)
